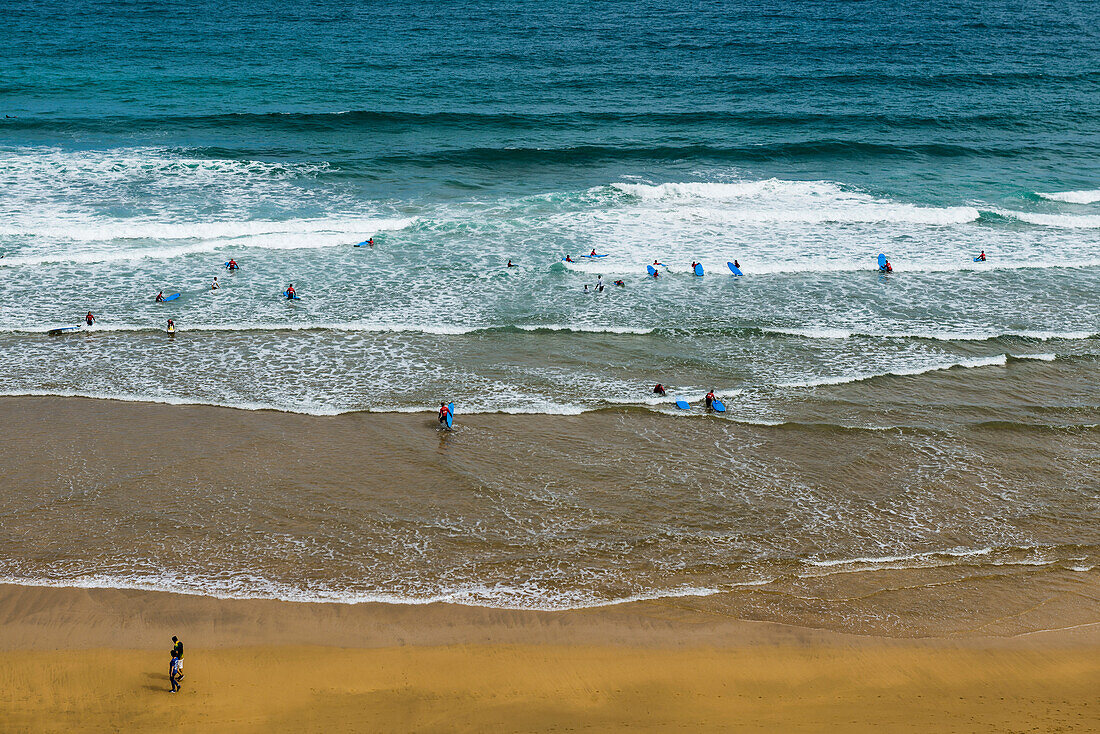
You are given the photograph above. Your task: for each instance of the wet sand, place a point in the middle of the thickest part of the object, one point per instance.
(994, 643)
(96, 660)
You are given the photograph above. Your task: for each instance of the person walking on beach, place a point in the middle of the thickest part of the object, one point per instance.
(177, 652)
(174, 674)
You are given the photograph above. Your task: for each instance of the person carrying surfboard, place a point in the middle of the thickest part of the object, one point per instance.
(160, 296)
(443, 411)
(710, 399)
(232, 265)
(290, 292)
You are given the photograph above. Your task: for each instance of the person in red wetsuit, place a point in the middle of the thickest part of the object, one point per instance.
(444, 411)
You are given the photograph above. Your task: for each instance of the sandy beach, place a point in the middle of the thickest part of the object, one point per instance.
(166, 495)
(73, 659)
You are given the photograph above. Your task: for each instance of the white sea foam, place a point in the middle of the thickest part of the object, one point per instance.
(1074, 221)
(1041, 357)
(1089, 196)
(998, 360)
(871, 560)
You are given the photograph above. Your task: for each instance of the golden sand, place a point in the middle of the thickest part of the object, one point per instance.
(95, 660)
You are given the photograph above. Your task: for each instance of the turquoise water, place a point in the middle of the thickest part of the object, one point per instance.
(144, 144)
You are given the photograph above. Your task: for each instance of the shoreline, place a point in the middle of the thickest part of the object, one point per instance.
(96, 659)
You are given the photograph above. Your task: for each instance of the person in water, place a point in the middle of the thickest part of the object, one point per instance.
(510, 264)
(89, 319)
(232, 265)
(599, 282)
(370, 243)
(981, 257)
(620, 283)
(215, 285)
(568, 259)
(659, 389)
(160, 296)
(444, 411)
(593, 253)
(656, 273)
(586, 288)
(171, 326)
(710, 399)
(290, 292)
(736, 264)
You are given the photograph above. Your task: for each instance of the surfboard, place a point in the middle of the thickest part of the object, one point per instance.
(682, 405)
(718, 405)
(652, 270)
(881, 261)
(450, 414)
(295, 298)
(172, 297)
(978, 260)
(734, 269)
(63, 330)
(591, 256)
(699, 269)
(364, 243)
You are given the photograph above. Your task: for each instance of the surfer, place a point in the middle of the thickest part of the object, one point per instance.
(370, 243)
(620, 283)
(171, 326)
(290, 292)
(886, 267)
(232, 265)
(586, 288)
(215, 286)
(511, 265)
(981, 258)
(160, 297)
(89, 319)
(444, 411)
(659, 389)
(593, 253)
(736, 264)
(599, 282)
(568, 259)
(710, 399)
(656, 273)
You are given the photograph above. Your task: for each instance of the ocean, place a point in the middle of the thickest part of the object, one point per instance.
(144, 144)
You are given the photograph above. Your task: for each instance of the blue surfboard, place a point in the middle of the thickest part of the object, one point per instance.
(682, 405)
(978, 260)
(364, 243)
(290, 299)
(652, 270)
(591, 256)
(450, 414)
(718, 405)
(734, 269)
(63, 330)
(881, 261)
(172, 297)
(699, 269)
